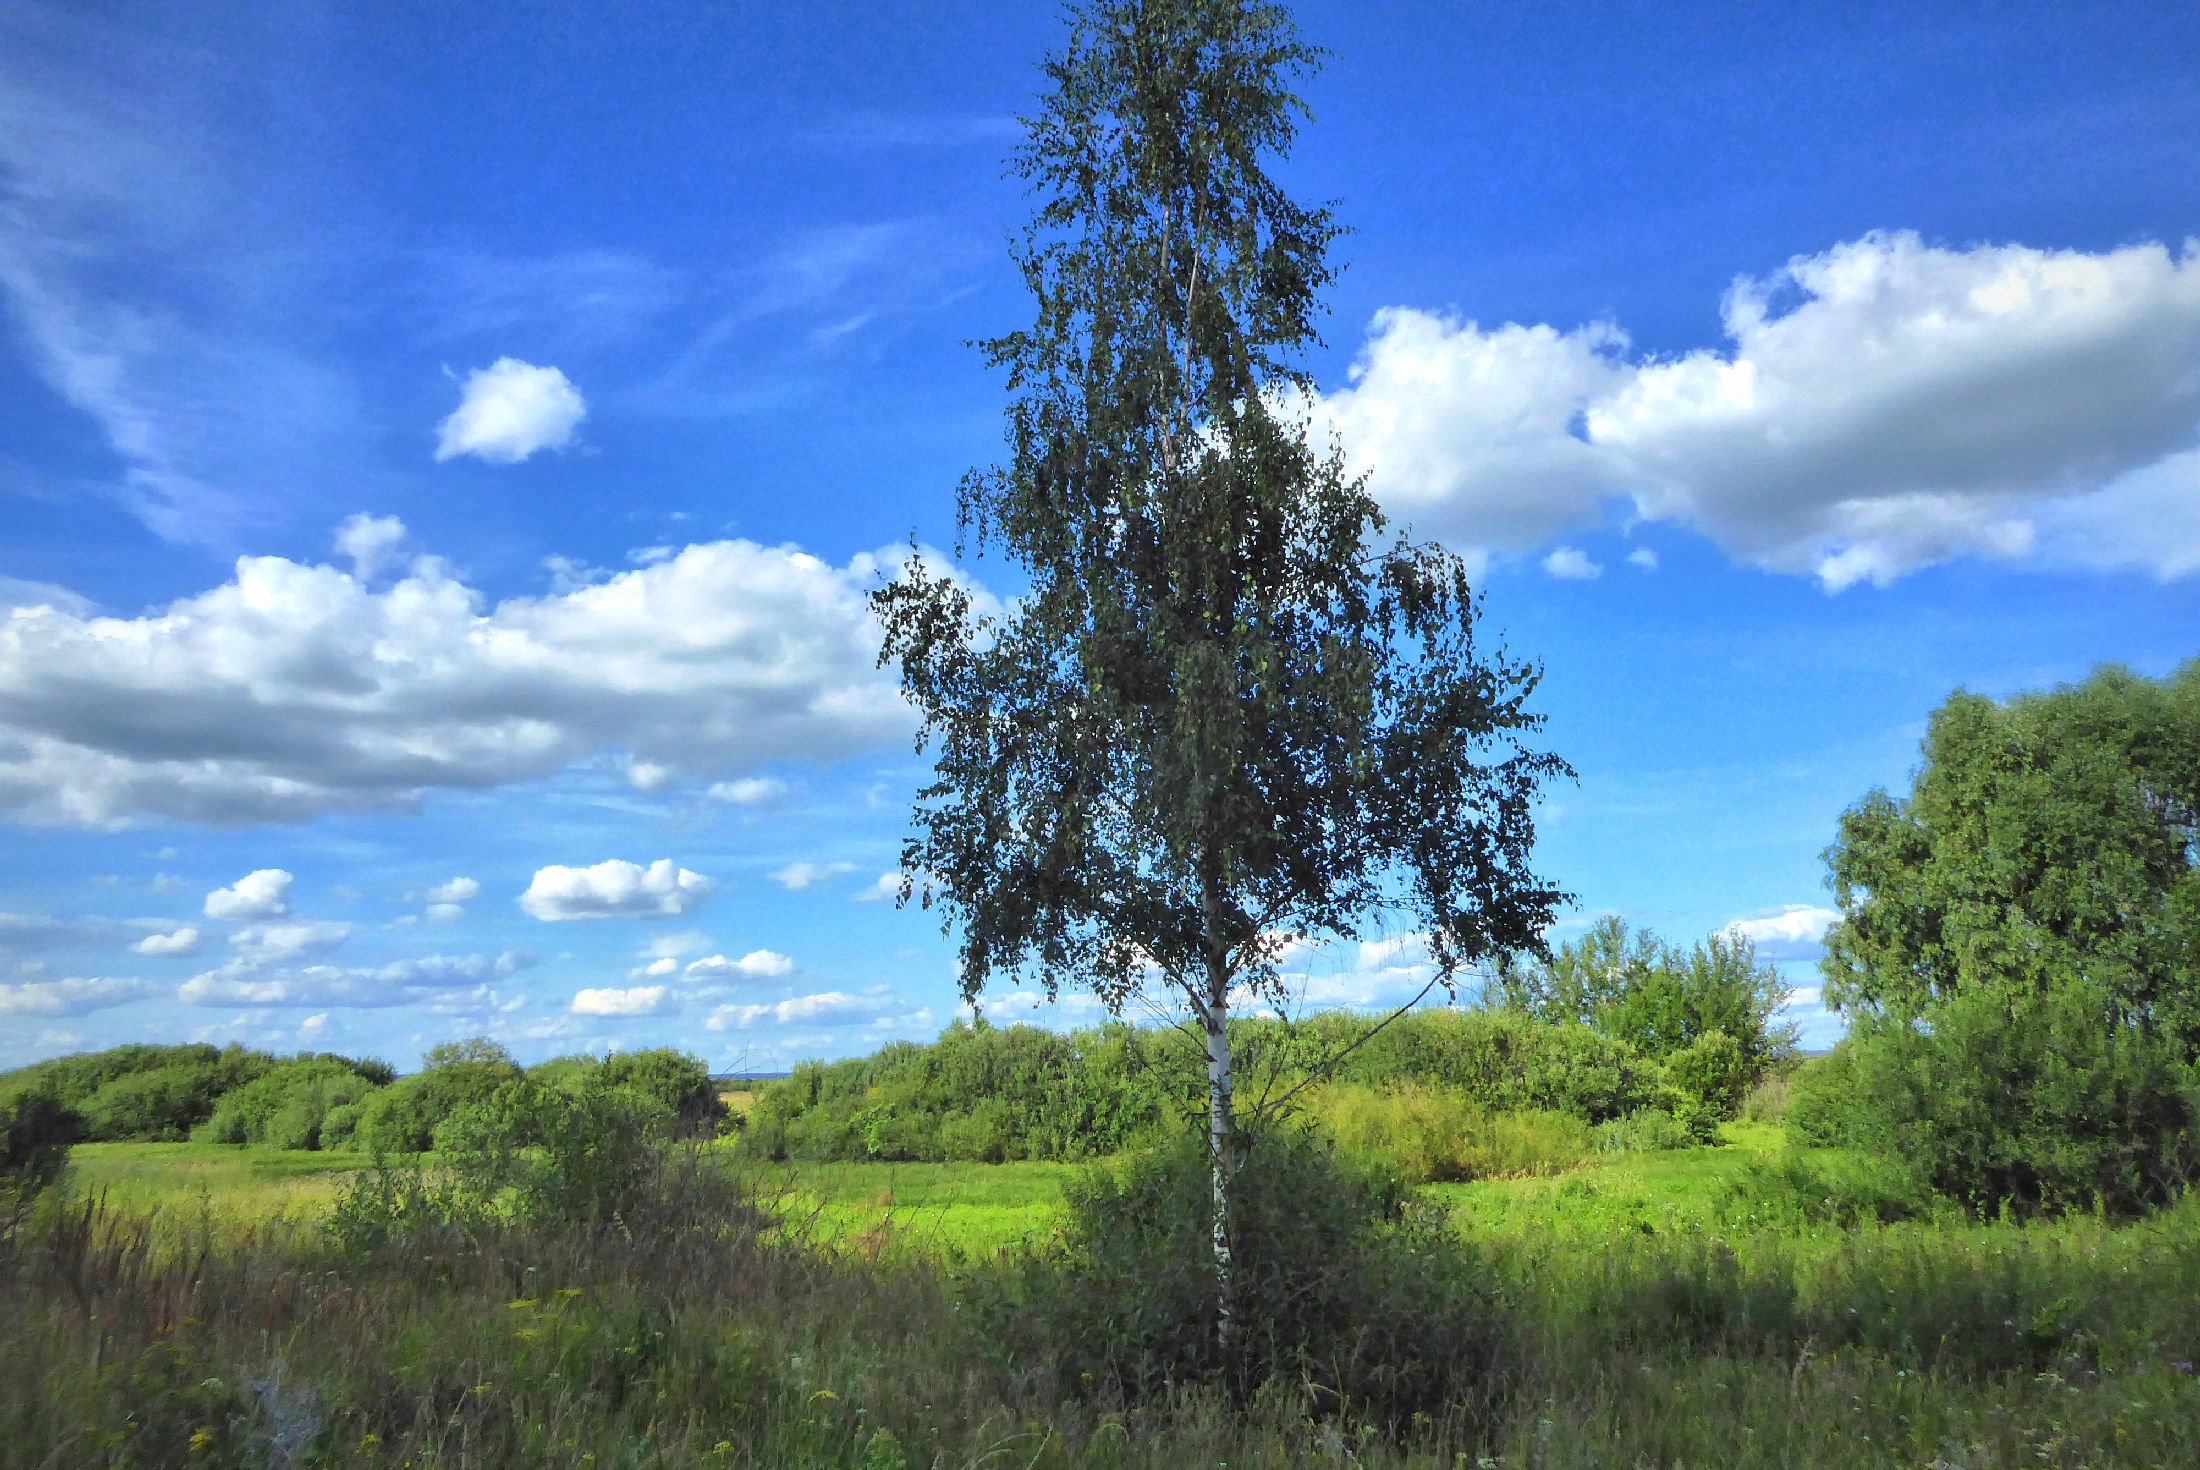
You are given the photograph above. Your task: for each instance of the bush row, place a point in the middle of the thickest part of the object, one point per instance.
(166, 1094)
(987, 1094)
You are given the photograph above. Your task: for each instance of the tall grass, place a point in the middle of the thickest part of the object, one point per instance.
(706, 1330)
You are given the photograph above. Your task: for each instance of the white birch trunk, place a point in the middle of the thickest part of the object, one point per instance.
(1222, 1151)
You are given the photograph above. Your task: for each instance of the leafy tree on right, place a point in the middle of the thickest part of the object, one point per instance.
(2019, 946)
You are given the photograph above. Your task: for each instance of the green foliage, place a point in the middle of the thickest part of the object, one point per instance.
(678, 1083)
(139, 1093)
(1823, 1102)
(35, 1133)
(1713, 1073)
(2044, 839)
(288, 1106)
(987, 1094)
(584, 1154)
(1657, 997)
(2028, 1101)
(1429, 1134)
(1646, 1130)
(403, 1117)
(1347, 1289)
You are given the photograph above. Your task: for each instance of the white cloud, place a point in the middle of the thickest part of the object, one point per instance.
(66, 997)
(313, 1028)
(639, 1000)
(884, 888)
(276, 944)
(1877, 408)
(458, 890)
(1571, 564)
(510, 410)
(648, 775)
(654, 969)
(757, 964)
(1795, 929)
(294, 690)
(614, 889)
(828, 1008)
(678, 944)
(183, 940)
(368, 541)
(748, 791)
(797, 877)
(1643, 558)
(445, 913)
(401, 982)
(261, 894)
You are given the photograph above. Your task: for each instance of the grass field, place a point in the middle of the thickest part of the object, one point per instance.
(1671, 1310)
(965, 1209)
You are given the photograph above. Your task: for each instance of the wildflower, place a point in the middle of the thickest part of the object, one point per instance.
(524, 1304)
(370, 1441)
(201, 1439)
(722, 1449)
(824, 1396)
(570, 1293)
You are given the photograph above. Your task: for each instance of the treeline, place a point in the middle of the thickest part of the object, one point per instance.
(1679, 1036)
(234, 1095)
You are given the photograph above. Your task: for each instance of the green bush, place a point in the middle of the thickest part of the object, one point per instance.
(2028, 1101)
(288, 1107)
(1646, 1130)
(159, 1106)
(403, 1117)
(35, 1133)
(584, 1154)
(1822, 1098)
(1343, 1289)
(680, 1083)
(1713, 1073)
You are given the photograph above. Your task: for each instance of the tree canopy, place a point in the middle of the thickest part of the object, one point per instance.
(2046, 838)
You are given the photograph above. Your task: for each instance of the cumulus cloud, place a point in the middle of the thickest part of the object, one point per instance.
(66, 997)
(827, 1008)
(368, 542)
(510, 410)
(796, 877)
(1876, 408)
(275, 944)
(1571, 564)
(401, 982)
(183, 940)
(757, 964)
(458, 890)
(748, 791)
(614, 889)
(294, 690)
(1643, 559)
(884, 888)
(1794, 931)
(655, 968)
(638, 1000)
(261, 894)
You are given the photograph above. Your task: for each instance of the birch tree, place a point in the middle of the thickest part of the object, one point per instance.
(1230, 706)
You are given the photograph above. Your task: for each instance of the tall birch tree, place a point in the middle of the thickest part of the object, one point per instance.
(1230, 707)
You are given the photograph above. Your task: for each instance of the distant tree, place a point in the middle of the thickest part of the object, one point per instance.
(2045, 839)
(1225, 710)
(1658, 997)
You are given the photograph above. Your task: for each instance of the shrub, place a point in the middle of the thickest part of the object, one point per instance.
(2029, 1101)
(584, 1154)
(159, 1106)
(1342, 1287)
(680, 1083)
(35, 1133)
(1767, 1102)
(289, 1106)
(1646, 1130)
(402, 1118)
(1713, 1073)
(1822, 1098)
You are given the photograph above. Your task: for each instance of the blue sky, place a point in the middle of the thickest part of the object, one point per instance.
(443, 454)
